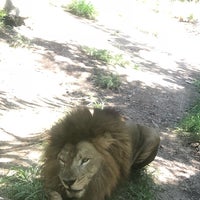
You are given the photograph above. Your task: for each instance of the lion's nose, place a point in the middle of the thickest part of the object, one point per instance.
(69, 182)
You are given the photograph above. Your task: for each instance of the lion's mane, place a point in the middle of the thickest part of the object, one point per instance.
(107, 132)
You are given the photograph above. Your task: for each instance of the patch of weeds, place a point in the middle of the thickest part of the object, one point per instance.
(2, 18)
(191, 18)
(188, 19)
(20, 41)
(23, 183)
(189, 127)
(98, 54)
(136, 67)
(82, 8)
(197, 84)
(107, 80)
(9, 20)
(97, 103)
(140, 187)
(105, 56)
(155, 34)
(119, 60)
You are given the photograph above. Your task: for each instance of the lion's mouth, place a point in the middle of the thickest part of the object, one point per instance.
(71, 193)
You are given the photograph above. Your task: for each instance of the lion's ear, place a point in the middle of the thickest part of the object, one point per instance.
(104, 141)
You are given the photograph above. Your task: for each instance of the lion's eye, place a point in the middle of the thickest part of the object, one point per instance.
(85, 161)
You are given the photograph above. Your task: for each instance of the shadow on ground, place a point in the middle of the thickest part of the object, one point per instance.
(185, 185)
(153, 104)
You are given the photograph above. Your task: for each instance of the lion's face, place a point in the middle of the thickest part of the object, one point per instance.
(78, 165)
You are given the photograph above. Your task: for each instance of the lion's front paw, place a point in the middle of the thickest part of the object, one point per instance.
(54, 196)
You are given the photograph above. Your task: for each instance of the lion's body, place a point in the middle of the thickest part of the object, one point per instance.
(89, 154)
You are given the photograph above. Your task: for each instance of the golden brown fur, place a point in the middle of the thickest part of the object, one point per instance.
(89, 154)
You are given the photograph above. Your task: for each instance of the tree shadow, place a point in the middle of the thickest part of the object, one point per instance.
(154, 105)
(186, 186)
(134, 96)
(17, 153)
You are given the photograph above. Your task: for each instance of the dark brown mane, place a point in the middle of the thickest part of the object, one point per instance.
(82, 125)
(107, 132)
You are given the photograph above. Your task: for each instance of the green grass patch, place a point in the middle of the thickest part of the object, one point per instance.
(190, 125)
(2, 18)
(136, 67)
(119, 60)
(20, 41)
(98, 54)
(107, 80)
(2, 15)
(140, 187)
(9, 20)
(96, 102)
(106, 56)
(197, 84)
(23, 184)
(82, 8)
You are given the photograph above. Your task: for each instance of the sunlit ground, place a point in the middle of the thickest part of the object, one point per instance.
(35, 88)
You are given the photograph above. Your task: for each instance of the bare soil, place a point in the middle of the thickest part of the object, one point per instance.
(44, 73)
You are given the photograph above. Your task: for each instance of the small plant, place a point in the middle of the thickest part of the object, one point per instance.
(108, 80)
(2, 17)
(197, 84)
(24, 183)
(10, 20)
(190, 125)
(96, 102)
(20, 41)
(98, 54)
(188, 19)
(119, 60)
(82, 8)
(191, 18)
(136, 67)
(105, 56)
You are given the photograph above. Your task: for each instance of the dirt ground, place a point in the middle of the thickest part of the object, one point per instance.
(44, 73)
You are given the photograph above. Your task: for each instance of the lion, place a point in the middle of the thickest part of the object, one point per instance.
(89, 154)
